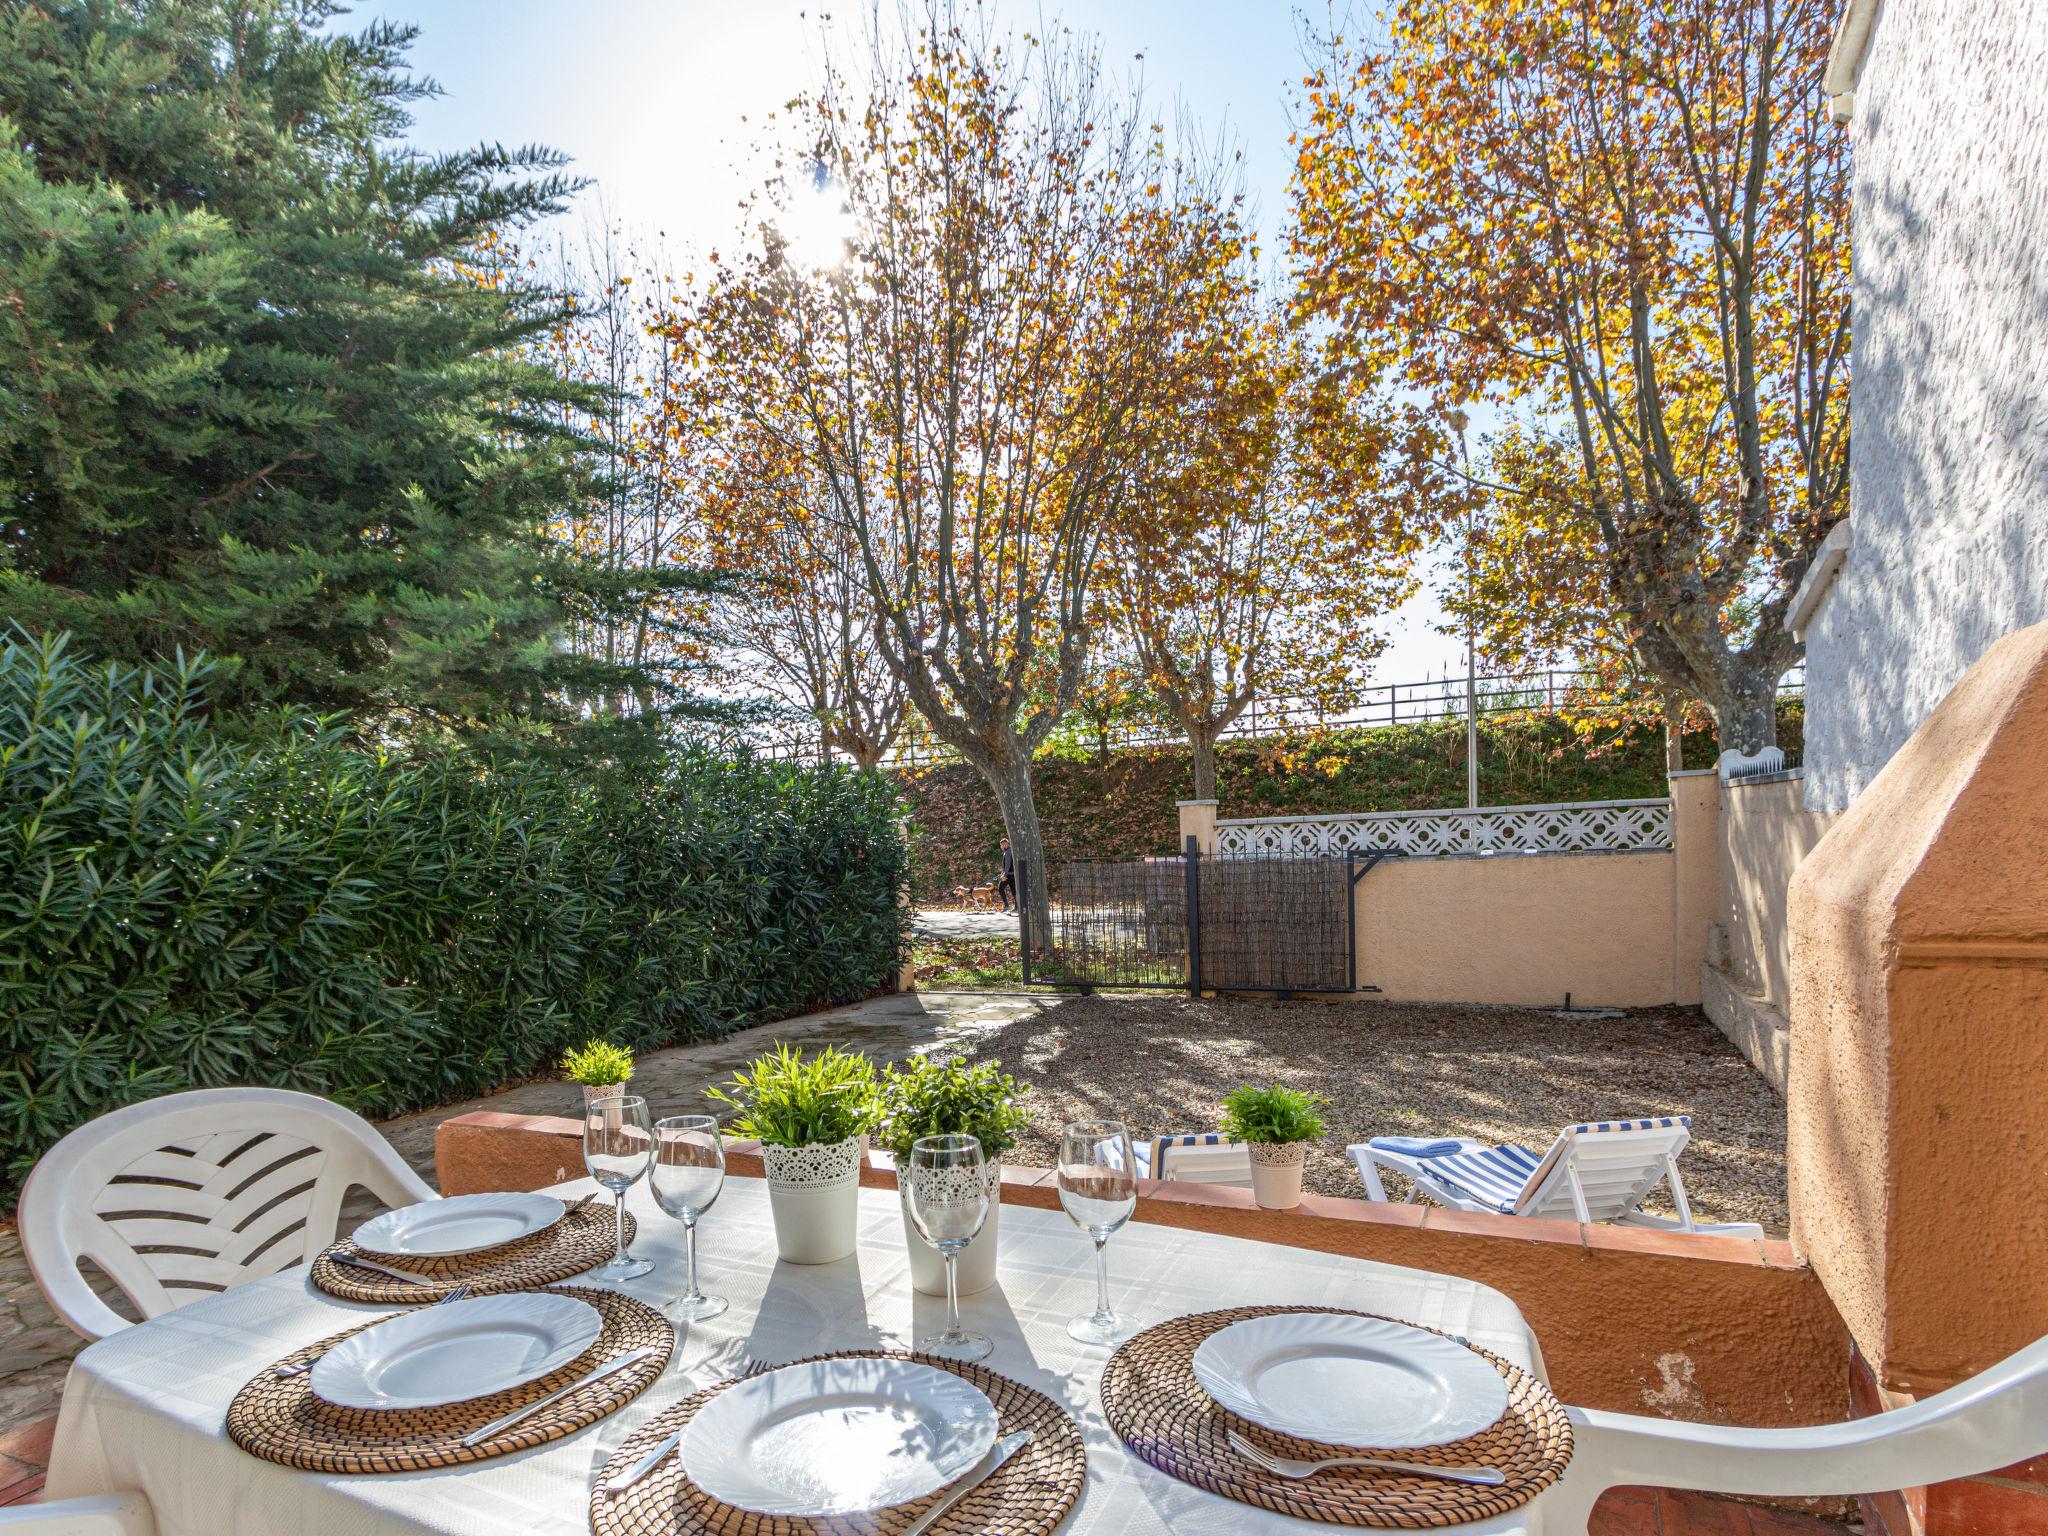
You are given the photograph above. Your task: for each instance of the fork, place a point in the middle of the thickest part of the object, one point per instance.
(652, 1459)
(1290, 1467)
(284, 1372)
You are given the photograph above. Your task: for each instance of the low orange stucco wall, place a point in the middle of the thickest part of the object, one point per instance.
(1919, 942)
(1718, 1329)
(1522, 928)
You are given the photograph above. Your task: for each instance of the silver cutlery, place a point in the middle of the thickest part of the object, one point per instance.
(1290, 1467)
(304, 1366)
(653, 1458)
(609, 1368)
(1005, 1448)
(579, 1205)
(357, 1261)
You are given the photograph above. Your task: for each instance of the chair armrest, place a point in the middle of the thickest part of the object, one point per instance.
(105, 1514)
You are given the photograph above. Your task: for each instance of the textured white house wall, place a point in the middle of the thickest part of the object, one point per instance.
(1949, 480)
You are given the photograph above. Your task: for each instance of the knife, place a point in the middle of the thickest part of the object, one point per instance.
(357, 1261)
(643, 1466)
(609, 1368)
(1005, 1448)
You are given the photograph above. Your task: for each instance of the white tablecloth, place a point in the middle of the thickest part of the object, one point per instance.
(144, 1409)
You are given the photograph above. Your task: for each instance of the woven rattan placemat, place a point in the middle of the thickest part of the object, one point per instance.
(282, 1421)
(1029, 1495)
(580, 1240)
(1152, 1399)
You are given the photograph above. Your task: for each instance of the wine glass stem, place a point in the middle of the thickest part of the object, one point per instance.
(619, 1224)
(952, 1299)
(1102, 1277)
(690, 1248)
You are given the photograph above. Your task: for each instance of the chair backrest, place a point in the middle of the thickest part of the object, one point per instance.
(1997, 1419)
(180, 1197)
(1614, 1163)
(1201, 1157)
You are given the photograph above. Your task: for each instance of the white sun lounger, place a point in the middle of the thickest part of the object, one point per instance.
(1598, 1171)
(1198, 1157)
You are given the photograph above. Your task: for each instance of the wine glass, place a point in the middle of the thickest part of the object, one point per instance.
(688, 1172)
(1098, 1190)
(617, 1145)
(947, 1198)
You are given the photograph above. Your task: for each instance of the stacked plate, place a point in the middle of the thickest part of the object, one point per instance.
(1360, 1383)
(464, 1349)
(838, 1437)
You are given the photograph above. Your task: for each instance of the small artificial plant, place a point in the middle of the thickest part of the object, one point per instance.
(925, 1097)
(788, 1100)
(598, 1064)
(1272, 1115)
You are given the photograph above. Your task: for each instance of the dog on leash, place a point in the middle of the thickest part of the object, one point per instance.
(976, 898)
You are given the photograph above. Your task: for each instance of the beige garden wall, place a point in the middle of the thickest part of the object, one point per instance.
(1766, 832)
(1521, 928)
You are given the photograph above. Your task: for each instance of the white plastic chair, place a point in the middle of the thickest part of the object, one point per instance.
(1990, 1421)
(104, 1514)
(1599, 1171)
(1197, 1157)
(186, 1195)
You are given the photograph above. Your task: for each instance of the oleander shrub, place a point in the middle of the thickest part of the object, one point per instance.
(182, 909)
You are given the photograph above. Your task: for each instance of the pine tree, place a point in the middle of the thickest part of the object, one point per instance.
(262, 390)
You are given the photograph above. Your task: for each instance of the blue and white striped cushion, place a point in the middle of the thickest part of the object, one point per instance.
(1495, 1178)
(1659, 1123)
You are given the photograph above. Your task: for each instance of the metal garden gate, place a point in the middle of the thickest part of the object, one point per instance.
(1240, 923)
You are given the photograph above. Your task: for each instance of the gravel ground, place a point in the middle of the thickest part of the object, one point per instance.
(1162, 1064)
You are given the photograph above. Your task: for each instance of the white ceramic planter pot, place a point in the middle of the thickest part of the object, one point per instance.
(975, 1269)
(814, 1196)
(1276, 1173)
(592, 1092)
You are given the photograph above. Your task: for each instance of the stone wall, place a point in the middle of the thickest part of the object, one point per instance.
(1949, 492)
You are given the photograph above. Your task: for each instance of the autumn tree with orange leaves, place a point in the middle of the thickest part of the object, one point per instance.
(796, 621)
(1623, 224)
(1258, 558)
(967, 367)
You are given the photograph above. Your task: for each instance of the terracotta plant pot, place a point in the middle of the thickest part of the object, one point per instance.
(814, 1196)
(975, 1269)
(1276, 1173)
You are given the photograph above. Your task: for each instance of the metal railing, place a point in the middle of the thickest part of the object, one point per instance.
(1441, 698)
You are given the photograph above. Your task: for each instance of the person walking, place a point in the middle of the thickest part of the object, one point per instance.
(1006, 886)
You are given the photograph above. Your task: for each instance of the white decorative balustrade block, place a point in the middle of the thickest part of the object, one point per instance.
(1592, 826)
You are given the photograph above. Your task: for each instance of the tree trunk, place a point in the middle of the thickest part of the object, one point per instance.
(1746, 715)
(1010, 778)
(1203, 745)
(1674, 733)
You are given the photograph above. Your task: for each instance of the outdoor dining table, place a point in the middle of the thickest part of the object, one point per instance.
(144, 1409)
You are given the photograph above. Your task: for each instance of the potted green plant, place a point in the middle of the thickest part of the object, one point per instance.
(1275, 1124)
(809, 1114)
(601, 1067)
(927, 1097)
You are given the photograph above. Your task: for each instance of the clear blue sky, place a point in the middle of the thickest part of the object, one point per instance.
(653, 99)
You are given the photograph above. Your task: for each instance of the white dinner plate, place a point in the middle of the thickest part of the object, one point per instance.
(1351, 1381)
(837, 1437)
(436, 1229)
(456, 1351)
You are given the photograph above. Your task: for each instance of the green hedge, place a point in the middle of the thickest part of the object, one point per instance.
(180, 910)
